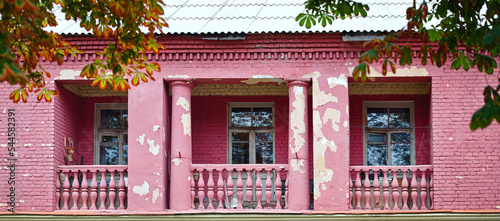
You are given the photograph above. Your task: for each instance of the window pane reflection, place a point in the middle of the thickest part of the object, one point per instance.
(110, 119)
(376, 155)
(399, 118)
(264, 153)
(241, 117)
(262, 117)
(400, 154)
(376, 118)
(109, 154)
(240, 153)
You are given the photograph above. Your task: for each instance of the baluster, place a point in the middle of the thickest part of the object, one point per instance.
(93, 191)
(357, 185)
(249, 186)
(112, 190)
(193, 193)
(210, 187)
(75, 191)
(350, 189)
(201, 190)
(423, 191)
(376, 189)
(404, 186)
(239, 190)
(269, 185)
(286, 188)
(258, 189)
(58, 190)
(431, 189)
(395, 189)
(220, 189)
(102, 190)
(414, 194)
(385, 186)
(121, 186)
(66, 191)
(230, 188)
(278, 192)
(366, 189)
(85, 190)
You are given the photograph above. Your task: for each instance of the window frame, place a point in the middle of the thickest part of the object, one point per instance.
(250, 130)
(388, 131)
(98, 132)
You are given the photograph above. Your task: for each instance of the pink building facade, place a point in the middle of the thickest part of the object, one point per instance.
(270, 123)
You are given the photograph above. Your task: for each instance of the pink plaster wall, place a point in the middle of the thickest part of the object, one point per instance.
(422, 131)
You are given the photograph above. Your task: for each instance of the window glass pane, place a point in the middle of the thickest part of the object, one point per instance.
(240, 153)
(376, 154)
(264, 153)
(400, 154)
(109, 139)
(125, 154)
(263, 117)
(399, 117)
(376, 138)
(125, 118)
(400, 138)
(376, 117)
(262, 137)
(110, 119)
(108, 154)
(241, 117)
(239, 137)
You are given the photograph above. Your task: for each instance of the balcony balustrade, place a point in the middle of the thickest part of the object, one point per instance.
(91, 187)
(391, 187)
(249, 186)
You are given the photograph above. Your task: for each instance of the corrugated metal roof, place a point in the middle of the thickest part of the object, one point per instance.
(259, 16)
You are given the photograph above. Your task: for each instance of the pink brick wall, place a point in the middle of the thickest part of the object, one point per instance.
(34, 134)
(67, 107)
(466, 164)
(422, 132)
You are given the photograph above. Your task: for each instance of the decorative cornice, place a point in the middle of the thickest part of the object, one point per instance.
(298, 82)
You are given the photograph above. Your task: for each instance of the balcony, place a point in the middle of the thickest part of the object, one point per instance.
(374, 187)
(228, 187)
(91, 187)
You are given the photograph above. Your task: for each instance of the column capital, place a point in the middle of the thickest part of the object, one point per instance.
(297, 82)
(186, 83)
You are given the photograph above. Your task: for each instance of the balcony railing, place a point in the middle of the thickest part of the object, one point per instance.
(105, 184)
(249, 186)
(391, 187)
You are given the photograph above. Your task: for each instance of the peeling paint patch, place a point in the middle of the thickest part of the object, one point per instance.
(178, 76)
(156, 194)
(346, 124)
(334, 116)
(141, 139)
(298, 165)
(347, 195)
(400, 72)
(297, 120)
(68, 74)
(163, 131)
(459, 177)
(142, 189)
(334, 81)
(156, 127)
(4, 110)
(323, 186)
(262, 79)
(451, 138)
(186, 123)
(183, 103)
(176, 161)
(154, 149)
